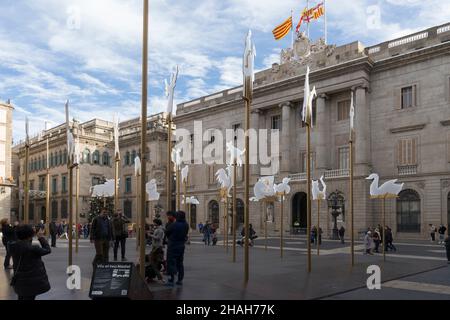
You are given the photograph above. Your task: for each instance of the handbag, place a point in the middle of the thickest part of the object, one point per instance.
(14, 277)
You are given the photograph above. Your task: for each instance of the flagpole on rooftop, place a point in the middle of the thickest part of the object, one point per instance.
(307, 8)
(325, 21)
(292, 30)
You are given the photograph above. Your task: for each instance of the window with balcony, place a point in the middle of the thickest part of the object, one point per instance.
(303, 161)
(343, 110)
(344, 158)
(41, 183)
(407, 156)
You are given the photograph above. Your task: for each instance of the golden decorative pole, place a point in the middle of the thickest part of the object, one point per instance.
(384, 226)
(308, 199)
(169, 162)
(281, 225)
(138, 201)
(178, 182)
(143, 137)
(352, 214)
(248, 74)
(77, 197)
(47, 195)
(116, 183)
(318, 226)
(226, 223)
(234, 210)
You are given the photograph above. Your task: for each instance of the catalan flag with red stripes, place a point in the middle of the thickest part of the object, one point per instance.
(283, 29)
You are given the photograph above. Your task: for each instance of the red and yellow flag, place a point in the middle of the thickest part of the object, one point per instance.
(283, 29)
(311, 14)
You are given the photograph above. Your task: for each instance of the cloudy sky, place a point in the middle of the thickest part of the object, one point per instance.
(90, 51)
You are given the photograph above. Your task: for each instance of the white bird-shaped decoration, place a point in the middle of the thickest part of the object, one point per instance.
(308, 97)
(77, 153)
(104, 190)
(248, 65)
(184, 174)
(225, 179)
(137, 166)
(190, 200)
(283, 187)
(70, 139)
(176, 158)
(235, 154)
(352, 113)
(388, 189)
(152, 190)
(169, 90)
(316, 193)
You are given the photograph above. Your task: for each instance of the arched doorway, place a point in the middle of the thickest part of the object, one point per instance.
(299, 213)
(408, 211)
(193, 216)
(240, 219)
(213, 212)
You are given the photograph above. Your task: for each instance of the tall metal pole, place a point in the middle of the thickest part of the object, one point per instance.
(325, 21)
(234, 211)
(26, 205)
(47, 195)
(352, 235)
(307, 8)
(265, 225)
(384, 227)
(178, 176)
(116, 182)
(248, 101)
(318, 226)
(137, 211)
(226, 223)
(281, 225)
(169, 163)
(308, 199)
(77, 213)
(143, 137)
(70, 210)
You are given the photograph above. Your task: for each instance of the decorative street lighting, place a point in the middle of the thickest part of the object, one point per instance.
(336, 204)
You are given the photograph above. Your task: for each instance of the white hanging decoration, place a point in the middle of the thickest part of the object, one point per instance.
(389, 189)
(235, 154)
(104, 190)
(318, 194)
(152, 190)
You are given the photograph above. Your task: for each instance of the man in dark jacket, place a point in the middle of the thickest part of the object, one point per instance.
(53, 232)
(176, 233)
(30, 277)
(7, 239)
(101, 235)
(120, 233)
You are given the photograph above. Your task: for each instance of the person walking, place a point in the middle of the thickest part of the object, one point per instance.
(389, 240)
(120, 233)
(441, 232)
(207, 233)
(30, 277)
(53, 230)
(64, 230)
(314, 235)
(41, 225)
(177, 233)
(341, 233)
(376, 240)
(432, 230)
(157, 252)
(200, 227)
(101, 235)
(368, 242)
(7, 238)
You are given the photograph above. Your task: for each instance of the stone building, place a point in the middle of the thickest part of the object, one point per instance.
(97, 163)
(6, 181)
(402, 97)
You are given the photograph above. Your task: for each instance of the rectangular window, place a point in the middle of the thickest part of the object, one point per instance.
(343, 110)
(276, 123)
(303, 159)
(407, 97)
(41, 183)
(31, 185)
(128, 185)
(407, 151)
(344, 157)
(64, 184)
(55, 185)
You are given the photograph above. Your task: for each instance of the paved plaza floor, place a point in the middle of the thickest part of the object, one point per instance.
(418, 270)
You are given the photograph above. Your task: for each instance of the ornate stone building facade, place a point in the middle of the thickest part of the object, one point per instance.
(402, 101)
(6, 181)
(97, 163)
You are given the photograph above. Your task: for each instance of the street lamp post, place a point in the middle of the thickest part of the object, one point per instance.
(335, 202)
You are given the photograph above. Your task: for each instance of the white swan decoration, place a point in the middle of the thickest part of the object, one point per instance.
(137, 166)
(176, 158)
(316, 193)
(190, 200)
(184, 174)
(104, 190)
(235, 154)
(283, 187)
(151, 189)
(386, 190)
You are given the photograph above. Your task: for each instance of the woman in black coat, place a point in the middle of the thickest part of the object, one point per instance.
(30, 277)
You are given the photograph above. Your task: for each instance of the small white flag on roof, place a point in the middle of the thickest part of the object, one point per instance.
(116, 137)
(352, 113)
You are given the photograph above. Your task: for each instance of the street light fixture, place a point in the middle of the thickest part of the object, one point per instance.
(336, 204)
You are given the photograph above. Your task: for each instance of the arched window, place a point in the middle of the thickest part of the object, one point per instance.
(213, 211)
(86, 156)
(96, 157)
(105, 159)
(408, 211)
(127, 158)
(133, 156)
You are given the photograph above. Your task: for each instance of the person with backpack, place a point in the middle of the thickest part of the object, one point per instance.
(377, 240)
(207, 233)
(441, 232)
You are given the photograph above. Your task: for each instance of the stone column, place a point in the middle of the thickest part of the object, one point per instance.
(362, 131)
(285, 137)
(322, 135)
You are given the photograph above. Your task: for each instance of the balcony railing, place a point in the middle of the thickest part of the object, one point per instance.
(407, 170)
(298, 176)
(337, 173)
